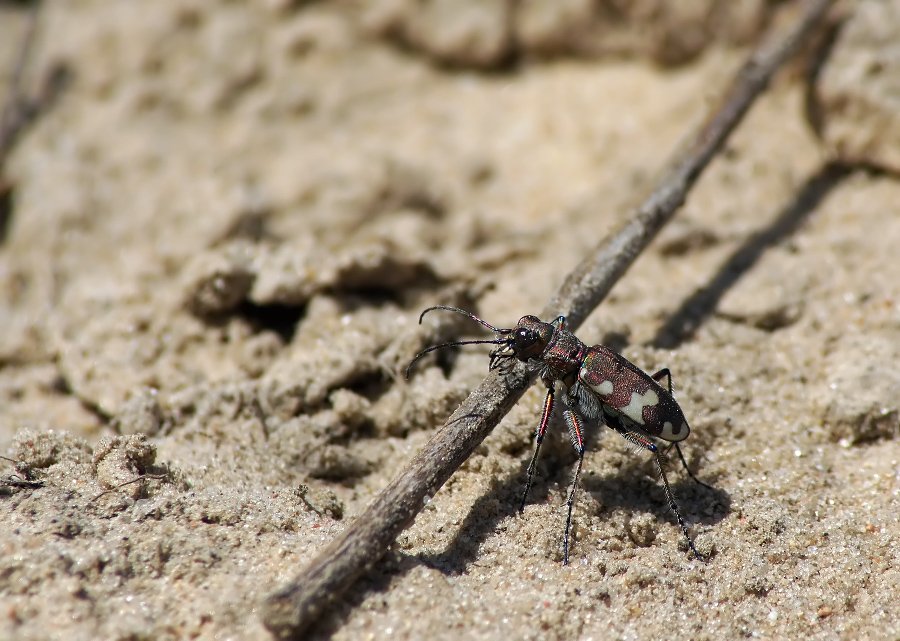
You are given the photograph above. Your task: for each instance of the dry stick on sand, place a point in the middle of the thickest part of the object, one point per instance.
(291, 610)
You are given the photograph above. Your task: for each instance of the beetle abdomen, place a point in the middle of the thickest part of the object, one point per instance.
(632, 394)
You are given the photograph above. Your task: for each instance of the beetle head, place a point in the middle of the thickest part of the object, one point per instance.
(530, 337)
(525, 341)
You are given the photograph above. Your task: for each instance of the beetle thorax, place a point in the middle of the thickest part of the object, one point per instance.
(563, 356)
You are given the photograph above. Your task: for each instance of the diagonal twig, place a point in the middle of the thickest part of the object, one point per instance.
(142, 477)
(292, 609)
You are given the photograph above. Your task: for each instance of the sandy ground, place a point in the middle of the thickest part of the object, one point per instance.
(222, 233)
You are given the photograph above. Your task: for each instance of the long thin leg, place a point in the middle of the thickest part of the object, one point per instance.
(688, 470)
(577, 434)
(650, 446)
(665, 373)
(538, 439)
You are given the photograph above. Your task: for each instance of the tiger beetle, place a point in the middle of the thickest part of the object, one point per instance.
(598, 387)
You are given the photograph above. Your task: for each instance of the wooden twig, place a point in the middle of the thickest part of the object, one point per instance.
(23, 478)
(142, 477)
(292, 609)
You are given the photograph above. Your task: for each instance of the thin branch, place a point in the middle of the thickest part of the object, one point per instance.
(292, 609)
(142, 477)
(14, 480)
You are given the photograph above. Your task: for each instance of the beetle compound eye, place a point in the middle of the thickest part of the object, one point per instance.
(525, 338)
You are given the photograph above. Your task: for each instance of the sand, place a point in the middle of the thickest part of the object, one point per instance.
(220, 238)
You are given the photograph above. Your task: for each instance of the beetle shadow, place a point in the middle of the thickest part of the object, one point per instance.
(635, 487)
(631, 488)
(696, 309)
(497, 503)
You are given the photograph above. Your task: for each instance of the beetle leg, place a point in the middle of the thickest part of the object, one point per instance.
(665, 373)
(650, 446)
(688, 470)
(538, 439)
(577, 434)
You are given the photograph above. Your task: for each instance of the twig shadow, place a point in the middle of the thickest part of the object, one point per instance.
(694, 311)
(499, 502)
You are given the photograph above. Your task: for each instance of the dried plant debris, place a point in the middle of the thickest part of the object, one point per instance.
(62, 460)
(321, 500)
(119, 461)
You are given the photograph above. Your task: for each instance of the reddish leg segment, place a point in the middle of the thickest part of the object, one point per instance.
(538, 439)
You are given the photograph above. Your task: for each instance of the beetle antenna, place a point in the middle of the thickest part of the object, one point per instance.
(464, 313)
(491, 341)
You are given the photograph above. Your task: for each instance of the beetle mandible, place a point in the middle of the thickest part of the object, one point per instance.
(598, 386)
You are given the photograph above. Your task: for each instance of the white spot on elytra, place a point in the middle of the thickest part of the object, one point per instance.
(670, 435)
(604, 389)
(635, 409)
